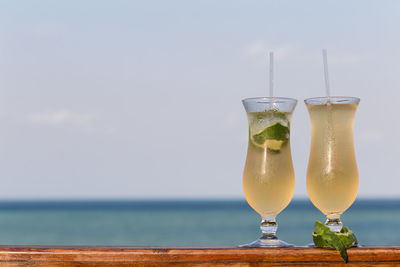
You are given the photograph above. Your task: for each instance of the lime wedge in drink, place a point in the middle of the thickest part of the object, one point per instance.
(272, 137)
(274, 145)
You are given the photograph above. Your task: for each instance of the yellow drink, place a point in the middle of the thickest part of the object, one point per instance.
(332, 174)
(268, 179)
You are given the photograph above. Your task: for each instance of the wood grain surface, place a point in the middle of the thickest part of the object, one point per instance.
(162, 256)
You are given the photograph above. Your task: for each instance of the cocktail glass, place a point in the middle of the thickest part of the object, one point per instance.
(332, 174)
(268, 178)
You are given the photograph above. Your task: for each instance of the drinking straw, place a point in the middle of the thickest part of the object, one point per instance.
(326, 74)
(271, 74)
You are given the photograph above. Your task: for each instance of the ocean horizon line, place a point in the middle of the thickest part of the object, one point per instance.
(168, 199)
(178, 199)
(170, 204)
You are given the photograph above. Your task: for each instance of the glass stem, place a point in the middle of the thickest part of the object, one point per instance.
(333, 222)
(268, 228)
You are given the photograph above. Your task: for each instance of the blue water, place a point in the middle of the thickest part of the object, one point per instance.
(181, 223)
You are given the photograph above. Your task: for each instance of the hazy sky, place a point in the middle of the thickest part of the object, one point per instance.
(142, 99)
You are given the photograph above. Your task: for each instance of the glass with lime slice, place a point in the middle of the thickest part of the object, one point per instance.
(268, 179)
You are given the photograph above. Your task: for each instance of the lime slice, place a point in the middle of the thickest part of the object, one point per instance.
(272, 136)
(274, 145)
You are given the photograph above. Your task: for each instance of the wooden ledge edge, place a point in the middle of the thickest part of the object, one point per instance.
(193, 255)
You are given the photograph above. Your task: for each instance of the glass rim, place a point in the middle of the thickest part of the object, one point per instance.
(334, 99)
(268, 99)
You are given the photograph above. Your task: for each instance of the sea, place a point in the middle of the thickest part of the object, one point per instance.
(193, 223)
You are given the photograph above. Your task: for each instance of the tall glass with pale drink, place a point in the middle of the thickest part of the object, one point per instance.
(268, 177)
(332, 173)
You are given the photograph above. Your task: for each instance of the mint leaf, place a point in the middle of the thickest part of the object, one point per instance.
(334, 240)
(345, 229)
(319, 241)
(348, 239)
(319, 227)
(276, 131)
(325, 238)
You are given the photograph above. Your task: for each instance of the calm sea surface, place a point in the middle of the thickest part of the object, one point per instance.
(181, 223)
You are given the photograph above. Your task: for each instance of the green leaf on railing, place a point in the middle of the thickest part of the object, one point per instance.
(325, 238)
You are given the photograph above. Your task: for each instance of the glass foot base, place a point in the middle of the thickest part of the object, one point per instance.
(267, 243)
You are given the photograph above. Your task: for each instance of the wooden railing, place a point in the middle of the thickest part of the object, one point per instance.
(161, 256)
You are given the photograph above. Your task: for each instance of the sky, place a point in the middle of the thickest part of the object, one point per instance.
(142, 99)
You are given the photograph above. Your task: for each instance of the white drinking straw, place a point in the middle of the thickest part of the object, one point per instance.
(326, 73)
(271, 74)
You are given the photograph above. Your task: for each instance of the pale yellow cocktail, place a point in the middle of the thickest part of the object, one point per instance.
(332, 174)
(268, 177)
